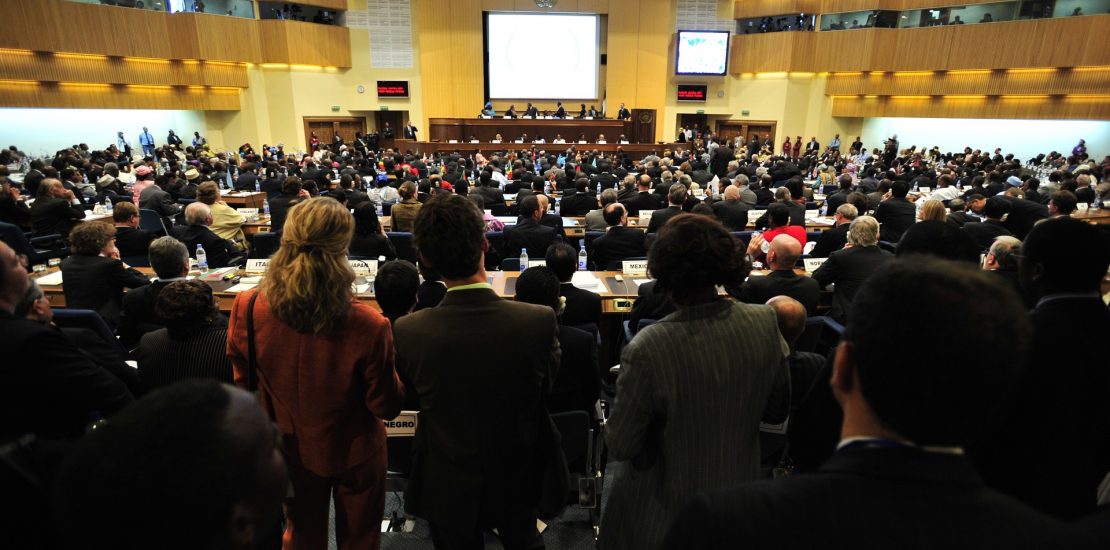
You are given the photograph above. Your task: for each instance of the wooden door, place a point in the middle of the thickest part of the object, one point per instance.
(326, 128)
(687, 120)
(729, 129)
(763, 130)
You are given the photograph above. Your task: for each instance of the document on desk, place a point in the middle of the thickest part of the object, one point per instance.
(240, 288)
(586, 281)
(640, 281)
(53, 279)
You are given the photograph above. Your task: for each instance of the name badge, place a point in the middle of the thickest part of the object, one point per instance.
(402, 426)
(257, 265)
(811, 264)
(364, 268)
(537, 263)
(634, 267)
(248, 212)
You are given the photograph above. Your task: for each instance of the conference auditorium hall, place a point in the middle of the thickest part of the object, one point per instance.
(562, 274)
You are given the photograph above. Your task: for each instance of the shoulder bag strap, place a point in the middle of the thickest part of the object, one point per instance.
(252, 353)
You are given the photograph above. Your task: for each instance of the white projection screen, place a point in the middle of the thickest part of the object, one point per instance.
(541, 56)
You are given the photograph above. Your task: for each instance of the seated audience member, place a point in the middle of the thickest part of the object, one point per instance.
(899, 478)
(582, 307)
(778, 219)
(404, 212)
(784, 196)
(595, 219)
(1002, 260)
(940, 239)
(227, 222)
(35, 306)
(156, 199)
(833, 201)
(550, 219)
(13, 210)
(475, 424)
(197, 450)
(578, 382)
(94, 277)
(47, 386)
(1052, 465)
(650, 305)
(619, 242)
(804, 366)
(932, 210)
(130, 240)
(782, 281)
(170, 261)
(369, 240)
(834, 239)
(529, 233)
(960, 214)
(676, 197)
(355, 196)
(1062, 203)
(56, 209)
(896, 214)
(194, 342)
(581, 202)
(395, 287)
(431, 290)
(291, 194)
(732, 212)
(850, 267)
(984, 233)
(220, 252)
(672, 371)
(643, 199)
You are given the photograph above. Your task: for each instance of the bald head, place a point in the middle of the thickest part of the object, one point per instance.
(784, 252)
(732, 194)
(791, 316)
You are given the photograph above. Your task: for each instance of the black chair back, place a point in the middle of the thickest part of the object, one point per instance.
(88, 319)
(402, 242)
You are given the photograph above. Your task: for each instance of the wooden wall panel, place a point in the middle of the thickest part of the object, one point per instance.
(300, 43)
(104, 96)
(329, 4)
(451, 56)
(224, 38)
(55, 25)
(1000, 82)
(991, 107)
(24, 65)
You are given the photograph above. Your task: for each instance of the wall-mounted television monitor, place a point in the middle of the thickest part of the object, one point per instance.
(702, 53)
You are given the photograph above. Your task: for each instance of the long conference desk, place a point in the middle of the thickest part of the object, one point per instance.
(485, 129)
(637, 150)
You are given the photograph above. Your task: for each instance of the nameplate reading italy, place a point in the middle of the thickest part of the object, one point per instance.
(257, 266)
(402, 426)
(634, 267)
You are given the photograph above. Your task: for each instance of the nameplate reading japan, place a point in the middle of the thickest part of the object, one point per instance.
(402, 426)
(634, 267)
(364, 268)
(812, 264)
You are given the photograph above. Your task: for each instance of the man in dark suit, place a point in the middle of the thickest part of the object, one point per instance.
(550, 219)
(643, 199)
(676, 196)
(170, 261)
(834, 239)
(620, 242)
(47, 387)
(603, 178)
(1054, 462)
(154, 198)
(899, 478)
(582, 306)
(797, 211)
(623, 113)
(1024, 214)
(732, 212)
(130, 240)
(782, 281)
(219, 252)
(896, 214)
(833, 201)
(959, 215)
(719, 159)
(580, 202)
(479, 418)
(56, 210)
(248, 177)
(984, 233)
(560, 112)
(850, 267)
(578, 384)
(528, 233)
(291, 194)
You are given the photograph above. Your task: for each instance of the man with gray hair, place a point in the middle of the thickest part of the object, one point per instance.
(220, 252)
(747, 196)
(834, 239)
(1084, 188)
(170, 260)
(676, 196)
(850, 267)
(732, 212)
(595, 219)
(1002, 260)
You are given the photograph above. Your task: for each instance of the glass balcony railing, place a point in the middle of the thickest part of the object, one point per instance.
(971, 14)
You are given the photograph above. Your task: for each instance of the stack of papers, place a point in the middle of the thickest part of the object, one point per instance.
(240, 287)
(586, 281)
(53, 279)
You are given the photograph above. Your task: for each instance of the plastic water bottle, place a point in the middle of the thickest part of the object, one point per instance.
(824, 208)
(546, 188)
(523, 259)
(599, 189)
(202, 259)
(257, 187)
(914, 186)
(582, 256)
(378, 208)
(1096, 204)
(266, 207)
(107, 205)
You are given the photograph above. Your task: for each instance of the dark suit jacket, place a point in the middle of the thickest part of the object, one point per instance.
(1023, 215)
(133, 242)
(757, 290)
(895, 216)
(1055, 460)
(97, 283)
(619, 243)
(734, 215)
(849, 268)
(279, 207)
(607, 181)
(216, 249)
(984, 233)
(797, 216)
(830, 241)
(15, 212)
(154, 198)
(868, 498)
(164, 360)
(137, 316)
(642, 200)
(476, 457)
(54, 215)
(582, 306)
(661, 216)
(649, 304)
(764, 196)
(577, 204)
(47, 386)
(834, 201)
(578, 384)
(246, 181)
(106, 356)
(962, 218)
(528, 233)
